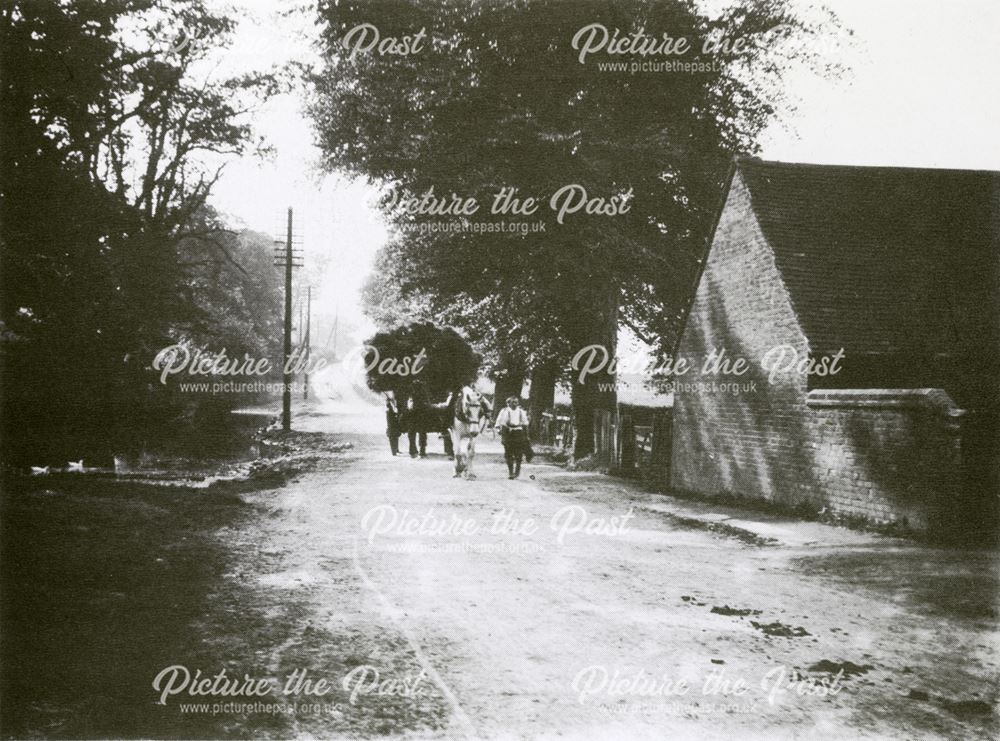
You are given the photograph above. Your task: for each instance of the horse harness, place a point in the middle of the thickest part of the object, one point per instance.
(465, 402)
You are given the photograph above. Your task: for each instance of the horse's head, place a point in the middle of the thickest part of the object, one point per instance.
(470, 408)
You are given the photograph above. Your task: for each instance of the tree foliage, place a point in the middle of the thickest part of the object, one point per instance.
(499, 98)
(113, 139)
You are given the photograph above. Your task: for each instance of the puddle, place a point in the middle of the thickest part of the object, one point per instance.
(779, 630)
(734, 611)
(849, 669)
(967, 709)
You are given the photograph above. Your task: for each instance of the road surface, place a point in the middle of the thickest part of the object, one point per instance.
(575, 605)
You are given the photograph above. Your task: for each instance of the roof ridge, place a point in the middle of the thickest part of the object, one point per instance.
(744, 159)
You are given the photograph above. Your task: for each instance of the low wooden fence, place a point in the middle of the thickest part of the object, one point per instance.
(630, 440)
(629, 447)
(555, 429)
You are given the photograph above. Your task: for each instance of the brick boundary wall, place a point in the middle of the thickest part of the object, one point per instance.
(887, 455)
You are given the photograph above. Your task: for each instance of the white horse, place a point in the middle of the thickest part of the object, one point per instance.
(466, 424)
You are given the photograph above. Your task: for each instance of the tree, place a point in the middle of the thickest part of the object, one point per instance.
(482, 108)
(112, 140)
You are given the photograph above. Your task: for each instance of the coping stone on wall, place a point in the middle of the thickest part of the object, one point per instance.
(935, 400)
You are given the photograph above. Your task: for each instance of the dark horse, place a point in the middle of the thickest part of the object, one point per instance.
(419, 416)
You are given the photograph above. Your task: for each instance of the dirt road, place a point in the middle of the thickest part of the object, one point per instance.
(571, 604)
(379, 596)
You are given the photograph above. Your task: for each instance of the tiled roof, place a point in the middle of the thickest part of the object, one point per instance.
(897, 262)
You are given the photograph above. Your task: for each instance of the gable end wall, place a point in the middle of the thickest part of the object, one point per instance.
(760, 438)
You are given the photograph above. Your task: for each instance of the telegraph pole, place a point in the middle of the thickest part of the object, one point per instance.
(285, 257)
(301, 327)
(286, 371)
(309, 296)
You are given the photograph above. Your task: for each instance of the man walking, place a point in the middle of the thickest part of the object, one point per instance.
(393, 429)
(513, 425)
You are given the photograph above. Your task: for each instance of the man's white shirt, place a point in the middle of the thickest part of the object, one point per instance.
(512, 417)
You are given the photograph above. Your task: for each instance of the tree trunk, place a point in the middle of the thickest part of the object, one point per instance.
(583, 420)
(542, 396)
(627, 460)
(597, 391)
(509, 383)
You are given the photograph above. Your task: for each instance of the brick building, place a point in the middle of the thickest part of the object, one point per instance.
(899, 269)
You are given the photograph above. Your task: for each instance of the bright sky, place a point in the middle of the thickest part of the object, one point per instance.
(923, 92)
